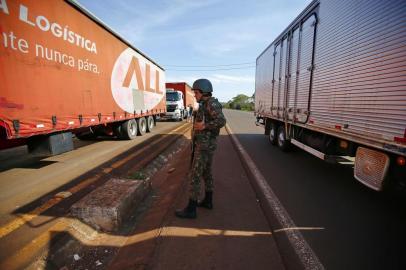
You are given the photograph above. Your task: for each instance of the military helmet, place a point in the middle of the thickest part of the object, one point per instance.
(204, 85)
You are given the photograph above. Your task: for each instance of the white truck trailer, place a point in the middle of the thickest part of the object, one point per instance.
(334, 84)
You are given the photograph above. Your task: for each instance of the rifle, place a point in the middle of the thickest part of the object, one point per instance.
(198, 116)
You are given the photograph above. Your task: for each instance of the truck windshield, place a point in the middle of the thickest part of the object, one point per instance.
(172, 96)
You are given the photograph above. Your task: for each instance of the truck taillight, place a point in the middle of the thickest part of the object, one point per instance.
(400, 139)
(370, 167)
(401, 161)
(343, 144)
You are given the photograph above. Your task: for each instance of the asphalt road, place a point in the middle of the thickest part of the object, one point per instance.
(359, 228)
(25, 178)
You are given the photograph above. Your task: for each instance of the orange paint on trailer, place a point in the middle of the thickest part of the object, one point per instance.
(57, 61)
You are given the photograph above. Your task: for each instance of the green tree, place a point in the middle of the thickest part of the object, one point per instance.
(241, 102)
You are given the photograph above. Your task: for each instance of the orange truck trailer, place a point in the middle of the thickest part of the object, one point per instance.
(63, 71)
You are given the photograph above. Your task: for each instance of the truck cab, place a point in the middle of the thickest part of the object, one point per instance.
(175, 108)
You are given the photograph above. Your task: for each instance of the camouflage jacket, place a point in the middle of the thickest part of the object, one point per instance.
(210, 111)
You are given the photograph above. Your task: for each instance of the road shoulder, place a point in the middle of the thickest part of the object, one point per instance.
(234, 235)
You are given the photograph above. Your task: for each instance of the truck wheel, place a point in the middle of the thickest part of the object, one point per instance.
(283, 143)
(129, 129)
(273, 131)
(142, 125)
(150, 123)
(117, 131)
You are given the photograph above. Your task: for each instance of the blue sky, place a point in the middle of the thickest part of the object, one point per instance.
(201, 39)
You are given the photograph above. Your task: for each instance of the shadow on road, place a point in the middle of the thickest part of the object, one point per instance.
(224, 236)
(18, 157)
(43, 213)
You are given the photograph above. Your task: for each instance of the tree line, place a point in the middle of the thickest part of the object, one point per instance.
(241, 102)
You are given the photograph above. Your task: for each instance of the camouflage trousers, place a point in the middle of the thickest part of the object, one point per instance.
(201, 168)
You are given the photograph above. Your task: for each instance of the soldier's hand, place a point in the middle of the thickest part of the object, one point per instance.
(198, 126)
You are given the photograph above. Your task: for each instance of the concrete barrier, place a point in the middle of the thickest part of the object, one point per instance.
(108, 206)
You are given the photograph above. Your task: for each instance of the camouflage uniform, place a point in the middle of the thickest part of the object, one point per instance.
(204, 144)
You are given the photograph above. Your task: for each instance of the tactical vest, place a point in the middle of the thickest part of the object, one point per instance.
(203, 114)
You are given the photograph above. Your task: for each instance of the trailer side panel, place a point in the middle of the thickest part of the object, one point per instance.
(346, 73)
(360, 68)
(61, 70)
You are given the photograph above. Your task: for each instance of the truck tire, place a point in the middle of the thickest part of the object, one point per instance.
(150, 123)
(283, 143)
(142, 126)
(117, 131)
(273, 133)
(129, 129)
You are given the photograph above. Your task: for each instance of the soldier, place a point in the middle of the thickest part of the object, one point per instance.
(189, 113)
(206, 127)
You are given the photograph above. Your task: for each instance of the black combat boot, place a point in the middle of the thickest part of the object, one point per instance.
(207, 201)
(188, 212)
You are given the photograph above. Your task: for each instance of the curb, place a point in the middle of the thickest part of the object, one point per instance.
(110, 205)
(294, 250)
(66, 246)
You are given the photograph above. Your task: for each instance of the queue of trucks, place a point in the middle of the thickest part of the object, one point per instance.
(334, 84)
(64, 72)
(179, 101)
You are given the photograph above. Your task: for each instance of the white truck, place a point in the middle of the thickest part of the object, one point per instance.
(334, 84)
(174, 105)
(179, 98)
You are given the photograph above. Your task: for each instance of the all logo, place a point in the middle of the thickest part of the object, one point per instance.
(136, 83)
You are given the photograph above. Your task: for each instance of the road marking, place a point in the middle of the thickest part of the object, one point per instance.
(306, 255)
(196, 232)
(124, 160)
(24, 218)
(25, 254)
(299, 228)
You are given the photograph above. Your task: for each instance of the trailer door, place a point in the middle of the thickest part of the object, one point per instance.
(305, 68)
(283, 79)
(264, 81)
(276, 80)
(293, 72)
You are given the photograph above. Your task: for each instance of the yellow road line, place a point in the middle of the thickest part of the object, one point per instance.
(129, 157)
(299, 229)
(24, 218)
(25, 255)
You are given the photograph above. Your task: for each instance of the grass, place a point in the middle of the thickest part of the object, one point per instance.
(138, 175)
